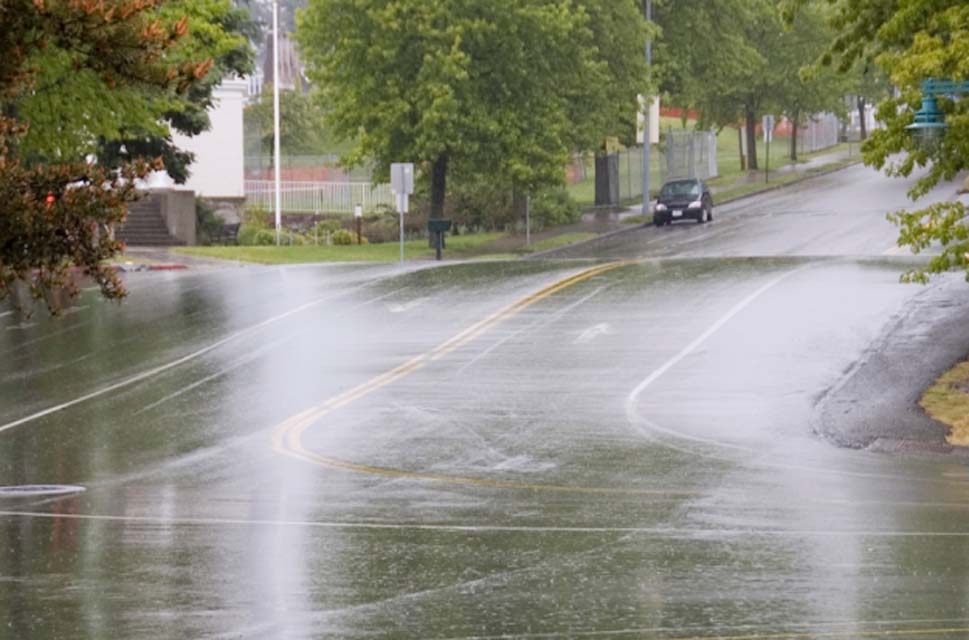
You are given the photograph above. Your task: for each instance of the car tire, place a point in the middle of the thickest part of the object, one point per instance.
(657, 221)
(700, 219)
(710, 214)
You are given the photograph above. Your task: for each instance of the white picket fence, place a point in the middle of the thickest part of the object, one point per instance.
(319, 197)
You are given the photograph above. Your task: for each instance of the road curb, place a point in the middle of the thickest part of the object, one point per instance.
(133, 268)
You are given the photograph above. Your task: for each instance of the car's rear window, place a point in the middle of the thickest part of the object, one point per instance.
(682, 188)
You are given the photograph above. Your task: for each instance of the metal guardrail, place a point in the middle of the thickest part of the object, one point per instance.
(319, 197)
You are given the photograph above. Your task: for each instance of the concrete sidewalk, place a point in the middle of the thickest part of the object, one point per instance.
(164, 258)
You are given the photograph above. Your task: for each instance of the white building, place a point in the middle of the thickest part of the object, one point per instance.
(218, 172)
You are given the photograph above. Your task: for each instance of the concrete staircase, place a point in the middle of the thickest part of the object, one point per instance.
(145, 226)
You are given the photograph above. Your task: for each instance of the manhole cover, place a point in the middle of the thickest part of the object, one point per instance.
(30, 490)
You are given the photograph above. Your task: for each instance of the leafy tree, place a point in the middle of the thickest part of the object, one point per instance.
(728, 75)
(75, 112)
(300, 123)
(55, 216)
(498, 88)
(703, 75)
(913, 40)
(802, 89)
(749, 66)
(869, 85)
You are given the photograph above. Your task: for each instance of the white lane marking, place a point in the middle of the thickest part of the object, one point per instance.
(590, 334)
(406, 306)
(472, 528)
(241, 361)
(218, 374)
(6, 313)
(693, 346)
(165, 367)
(634, 418)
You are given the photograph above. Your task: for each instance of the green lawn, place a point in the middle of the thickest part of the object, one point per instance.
(457, 247)
(479, 246)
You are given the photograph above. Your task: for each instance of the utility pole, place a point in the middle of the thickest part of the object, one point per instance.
(277, 155)
(648, 8)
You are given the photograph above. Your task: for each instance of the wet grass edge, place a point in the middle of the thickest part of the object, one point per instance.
(947, 401)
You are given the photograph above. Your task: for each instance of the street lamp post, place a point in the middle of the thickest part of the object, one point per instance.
(277, 155)
(646, 122)
(930, 123)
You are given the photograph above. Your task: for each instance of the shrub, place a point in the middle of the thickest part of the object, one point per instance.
(382, 229)
(247, 235)
(208, 225)
(254, 216)
(480, 205)
(553, 207)
(327, 226)
(343, 237)
(264, 238)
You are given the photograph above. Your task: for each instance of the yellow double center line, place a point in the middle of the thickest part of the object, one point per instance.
(288, 436)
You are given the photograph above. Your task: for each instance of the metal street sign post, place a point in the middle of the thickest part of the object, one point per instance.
(358, 218)
(402, 184)
(768, 137)
(528, 221)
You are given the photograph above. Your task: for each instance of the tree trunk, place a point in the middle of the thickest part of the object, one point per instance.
(861, 118)
(751, 118)
(794, 140)
(438, 186)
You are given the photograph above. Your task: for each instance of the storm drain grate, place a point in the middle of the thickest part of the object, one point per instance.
(30, 490)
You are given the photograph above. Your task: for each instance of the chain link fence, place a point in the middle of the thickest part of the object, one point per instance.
(690, 154)
(680, 154)
(821, 132)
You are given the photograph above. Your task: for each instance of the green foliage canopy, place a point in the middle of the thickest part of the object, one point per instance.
(74, 112)
(913, 40)
(498, 88)
(736, 60)
(301, 126)
(58, 215)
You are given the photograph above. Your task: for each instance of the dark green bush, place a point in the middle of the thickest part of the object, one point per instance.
(553, 207)
(383, 228)
(264, 238)
(480, 205)
(327, 226)
(343, 237)
(254, 216)
(207, 224)
(247, 235)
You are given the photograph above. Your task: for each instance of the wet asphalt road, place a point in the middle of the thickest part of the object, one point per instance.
(619, 443)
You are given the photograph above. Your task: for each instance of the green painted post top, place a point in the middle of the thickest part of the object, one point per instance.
(437, 225)
(933, 87)
(930, 117)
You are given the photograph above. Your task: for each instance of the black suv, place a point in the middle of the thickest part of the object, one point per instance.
(679, 199)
